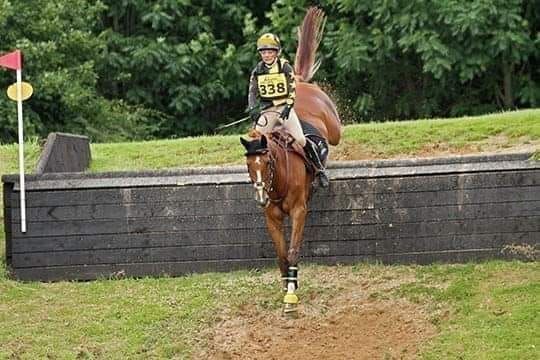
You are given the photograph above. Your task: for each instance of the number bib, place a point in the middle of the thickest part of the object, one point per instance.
(272, 85)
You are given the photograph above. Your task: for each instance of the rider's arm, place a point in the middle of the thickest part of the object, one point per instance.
(253, 90)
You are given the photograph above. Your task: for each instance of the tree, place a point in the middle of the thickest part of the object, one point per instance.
(186, 59)
(60, 48)
(407, 59)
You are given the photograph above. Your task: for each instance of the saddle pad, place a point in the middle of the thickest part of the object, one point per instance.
(309, 129)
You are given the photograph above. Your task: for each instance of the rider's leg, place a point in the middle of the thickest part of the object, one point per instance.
(295, 129)
(292, 124)
(312, 152)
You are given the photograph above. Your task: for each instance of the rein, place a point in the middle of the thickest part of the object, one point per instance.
(272, 164)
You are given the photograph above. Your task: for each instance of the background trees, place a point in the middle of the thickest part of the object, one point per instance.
(136, 69)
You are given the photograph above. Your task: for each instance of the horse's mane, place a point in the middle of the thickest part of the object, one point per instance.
(309, 37)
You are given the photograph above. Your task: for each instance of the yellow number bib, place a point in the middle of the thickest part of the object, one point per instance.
(272, 85)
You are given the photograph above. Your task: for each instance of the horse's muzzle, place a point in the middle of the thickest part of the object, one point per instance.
(260, 194)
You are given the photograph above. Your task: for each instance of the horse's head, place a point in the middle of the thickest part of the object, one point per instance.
(260, 167)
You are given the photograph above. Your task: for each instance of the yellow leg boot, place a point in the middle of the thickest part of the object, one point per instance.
(291, 302)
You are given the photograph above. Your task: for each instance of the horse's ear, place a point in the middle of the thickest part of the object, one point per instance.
(264, 142)
(244, 142)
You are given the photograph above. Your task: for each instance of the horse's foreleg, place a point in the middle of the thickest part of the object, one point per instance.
(274, 224)
(298, 217)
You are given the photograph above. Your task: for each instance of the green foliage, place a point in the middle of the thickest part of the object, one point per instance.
(403, 59)
(139, 69)
(60, 50)
(182, 59)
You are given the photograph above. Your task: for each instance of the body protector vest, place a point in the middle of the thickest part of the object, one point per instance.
(272, 85)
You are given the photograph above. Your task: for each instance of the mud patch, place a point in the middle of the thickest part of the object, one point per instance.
(361, 322)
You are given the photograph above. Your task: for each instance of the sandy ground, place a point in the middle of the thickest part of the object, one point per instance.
(362, 321)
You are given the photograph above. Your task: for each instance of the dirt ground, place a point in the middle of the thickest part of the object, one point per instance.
(359, 322)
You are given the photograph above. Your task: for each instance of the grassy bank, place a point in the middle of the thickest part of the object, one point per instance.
(495, 132)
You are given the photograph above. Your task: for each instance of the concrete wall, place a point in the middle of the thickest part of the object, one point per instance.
(87, 226)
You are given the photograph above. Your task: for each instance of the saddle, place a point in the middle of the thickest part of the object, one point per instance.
(286, 141)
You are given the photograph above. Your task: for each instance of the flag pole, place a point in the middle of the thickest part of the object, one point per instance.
(13, 61)
(21, 150)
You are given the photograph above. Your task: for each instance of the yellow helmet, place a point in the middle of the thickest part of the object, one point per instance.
(268, 41)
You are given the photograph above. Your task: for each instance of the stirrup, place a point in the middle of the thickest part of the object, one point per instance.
(323, 178)
(313, 155)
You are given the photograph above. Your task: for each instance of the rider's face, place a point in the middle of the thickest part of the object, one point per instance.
(268, 55)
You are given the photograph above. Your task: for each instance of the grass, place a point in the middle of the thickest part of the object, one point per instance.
(483, 311)
(492, 307)
(109, 318)
(160, 154)
(378, 140)
(462, 135)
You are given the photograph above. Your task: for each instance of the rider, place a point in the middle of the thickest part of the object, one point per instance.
(272, 89)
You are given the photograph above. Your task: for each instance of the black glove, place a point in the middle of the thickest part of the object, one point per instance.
(285, 112)
(254, 114)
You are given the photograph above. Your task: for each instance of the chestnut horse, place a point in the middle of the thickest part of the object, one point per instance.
(281, 178)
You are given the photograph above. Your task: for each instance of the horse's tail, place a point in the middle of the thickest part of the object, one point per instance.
(309, 37)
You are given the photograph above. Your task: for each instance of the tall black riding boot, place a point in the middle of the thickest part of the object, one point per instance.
(313, 155)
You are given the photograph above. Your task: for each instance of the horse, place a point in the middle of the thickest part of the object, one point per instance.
(278, 168)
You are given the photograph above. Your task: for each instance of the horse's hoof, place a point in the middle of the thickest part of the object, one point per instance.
(290, 311)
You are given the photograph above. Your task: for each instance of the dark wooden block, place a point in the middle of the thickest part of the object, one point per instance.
(87, 226)
(64, 153)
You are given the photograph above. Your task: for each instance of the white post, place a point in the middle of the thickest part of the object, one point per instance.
(21, 150)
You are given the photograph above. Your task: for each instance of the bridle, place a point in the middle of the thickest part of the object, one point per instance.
(267, 183)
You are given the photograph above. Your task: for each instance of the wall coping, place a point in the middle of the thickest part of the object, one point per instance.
(238, 175)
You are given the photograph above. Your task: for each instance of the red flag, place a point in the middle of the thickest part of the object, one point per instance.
(12, 60)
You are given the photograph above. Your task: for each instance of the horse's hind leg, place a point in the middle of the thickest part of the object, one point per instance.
(274, 223)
